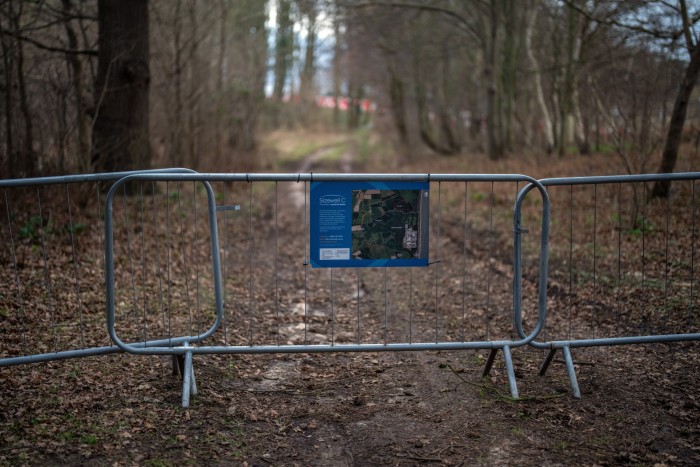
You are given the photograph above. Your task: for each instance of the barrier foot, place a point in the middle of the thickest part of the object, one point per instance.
(547, 360)
(193, 385)
(511, 372)
(178, 364)
(189, 384)
(509, 369)
(489, 363)
(572, 372)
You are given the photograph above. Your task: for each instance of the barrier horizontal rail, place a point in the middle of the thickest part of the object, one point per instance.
(635, 255)
(259, 325)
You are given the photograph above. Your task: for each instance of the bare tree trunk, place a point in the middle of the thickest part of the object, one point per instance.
(398, 104)
(570, 129)
(9, 130)
(675, 128)
(28, 157)
(120, 133)
(447, 123)
(283, 47)
(579, 125)
(176, 147)
(82, 119)
(307, 72)
(509, 72)
(537, 78)
(193, 98)
(355, 110)
(221, 66)
(336, 68)
(494, 150)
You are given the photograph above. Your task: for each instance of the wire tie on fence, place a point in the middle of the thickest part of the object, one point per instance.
(298, 177)
(520, 230)
(312, 177)
(246, 178)
(435, 262)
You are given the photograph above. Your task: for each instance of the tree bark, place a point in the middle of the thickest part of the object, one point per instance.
(9, 130)
(307, 72)
(537, 78)
(221, 76)
(283, 47)
(675, 128)
(176, 132)
(195, 83)
(336, 66)
(28, 156)
(494, 148)
(120, 133)
(82, 119)
(398, 104)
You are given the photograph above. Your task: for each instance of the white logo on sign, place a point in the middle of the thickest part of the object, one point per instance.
(332, 200)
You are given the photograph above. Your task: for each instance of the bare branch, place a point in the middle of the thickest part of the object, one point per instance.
(465, 25)
(48, 48)
(686, 26)
(610, 20)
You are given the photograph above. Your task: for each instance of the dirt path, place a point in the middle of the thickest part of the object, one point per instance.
(296, 192)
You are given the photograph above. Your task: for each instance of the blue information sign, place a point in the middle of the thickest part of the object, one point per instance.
(369, 224)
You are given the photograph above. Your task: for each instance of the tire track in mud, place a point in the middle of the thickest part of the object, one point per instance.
(293, 202)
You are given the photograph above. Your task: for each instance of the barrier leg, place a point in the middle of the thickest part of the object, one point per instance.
(511, 372)
(178, 362)
(193, 385)
(572, 372)
(189, 386)
(509, 369)
(547, 360)
(489, 363)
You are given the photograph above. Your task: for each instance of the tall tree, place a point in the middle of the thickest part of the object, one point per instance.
(76, 67)
(680, 106)
(537, 77)
(120, 132)
(309, 11)
(27, 155)
(284, 46)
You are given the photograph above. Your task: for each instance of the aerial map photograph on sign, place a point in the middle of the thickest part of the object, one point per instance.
(369, 224)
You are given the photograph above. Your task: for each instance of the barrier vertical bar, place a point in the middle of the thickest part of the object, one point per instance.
(277, 300)
(16, 273)
(75, 267)
(47, 278)
(691, 307)
(437, 265)
(250, 263)
(143, 263)
(464, 264)
(184, 259)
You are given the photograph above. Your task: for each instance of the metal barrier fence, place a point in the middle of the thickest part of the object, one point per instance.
(213, 263)
(622, 265)
(260, 294)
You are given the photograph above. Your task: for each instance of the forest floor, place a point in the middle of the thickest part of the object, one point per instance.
(640, 404)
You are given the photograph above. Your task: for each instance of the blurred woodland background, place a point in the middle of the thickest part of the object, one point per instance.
(103, 85)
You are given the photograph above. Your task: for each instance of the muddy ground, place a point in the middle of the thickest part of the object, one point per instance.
(639, 407)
